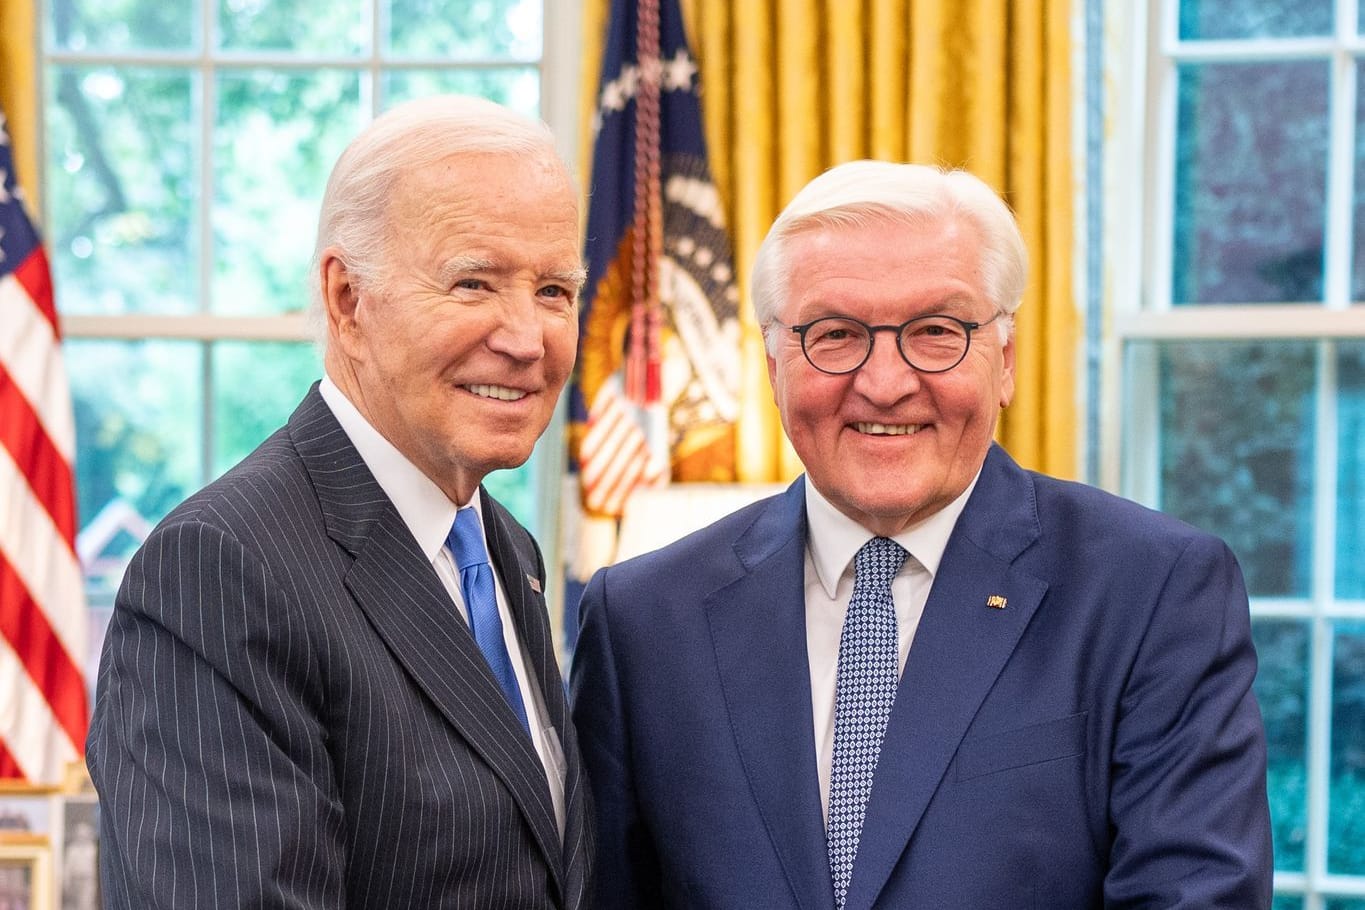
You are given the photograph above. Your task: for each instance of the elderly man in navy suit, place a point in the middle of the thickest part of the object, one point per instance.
(329, 680)
(922, 677)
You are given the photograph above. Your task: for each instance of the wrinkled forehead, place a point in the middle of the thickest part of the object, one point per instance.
(884, 262)
(471, 174)
(882, 245)
(484, 185)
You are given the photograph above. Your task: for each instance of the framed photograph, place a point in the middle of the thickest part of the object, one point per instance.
(25, 871)
(25, 813)
(76, 852)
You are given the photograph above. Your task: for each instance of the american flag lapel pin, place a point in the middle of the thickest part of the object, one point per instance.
(996, 601)
(534, 583)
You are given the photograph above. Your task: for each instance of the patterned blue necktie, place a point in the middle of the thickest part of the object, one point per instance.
(864, 690)
(480, 599)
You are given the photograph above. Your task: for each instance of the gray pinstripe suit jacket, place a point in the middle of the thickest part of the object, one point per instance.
(291, 712)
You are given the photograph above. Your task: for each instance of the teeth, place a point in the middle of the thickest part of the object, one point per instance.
(501, 393)
(881, 429)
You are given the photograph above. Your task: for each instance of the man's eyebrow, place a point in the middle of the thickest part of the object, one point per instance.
(576, 277)
(460, 265)
(950, 305)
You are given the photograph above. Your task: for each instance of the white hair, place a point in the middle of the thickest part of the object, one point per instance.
(406, 138)
(864, 193)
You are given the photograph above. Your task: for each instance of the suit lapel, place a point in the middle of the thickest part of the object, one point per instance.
(959, 649)
(758, 626)
(396, 587)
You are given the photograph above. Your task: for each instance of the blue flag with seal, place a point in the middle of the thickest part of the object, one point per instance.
(656, 390)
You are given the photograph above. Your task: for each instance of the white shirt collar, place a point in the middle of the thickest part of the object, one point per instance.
(834, 539)
(422, 505)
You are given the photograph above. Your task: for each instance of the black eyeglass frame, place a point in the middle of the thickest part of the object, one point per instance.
(967, 327)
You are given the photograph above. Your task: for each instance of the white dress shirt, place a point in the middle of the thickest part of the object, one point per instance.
(429, 514)
(832, 540)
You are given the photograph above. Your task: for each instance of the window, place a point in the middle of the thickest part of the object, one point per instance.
(186, 147)
(1238, 390)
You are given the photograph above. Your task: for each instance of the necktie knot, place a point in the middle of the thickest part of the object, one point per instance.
(878, 561)
(466, 540)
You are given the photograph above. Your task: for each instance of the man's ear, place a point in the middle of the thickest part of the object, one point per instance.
(1007, 374)
(340, 296)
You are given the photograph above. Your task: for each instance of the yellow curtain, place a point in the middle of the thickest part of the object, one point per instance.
(19, 92)
(792, 87)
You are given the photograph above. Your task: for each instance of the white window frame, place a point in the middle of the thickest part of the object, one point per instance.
(1142, 51)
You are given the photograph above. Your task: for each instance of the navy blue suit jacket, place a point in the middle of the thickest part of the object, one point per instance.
(1093, 743)
(292, 713)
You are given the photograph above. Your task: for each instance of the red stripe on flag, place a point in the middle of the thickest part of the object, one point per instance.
(9, 768)
(35, 276)
(25, 625)
(37, 456)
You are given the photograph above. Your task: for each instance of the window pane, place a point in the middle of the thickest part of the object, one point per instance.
(120, 25)
(277, 135)
(1346, 903)
(140, 441)
(1358, 209)
(1216, 19)
(308, 26)
(122, 165)
(1350, 582)
(256, 386)
(1282, 690)
(517, 87)
(1287, 902)
(1250, 182)
(1235, 450)
(464, 29)
(1346, 806)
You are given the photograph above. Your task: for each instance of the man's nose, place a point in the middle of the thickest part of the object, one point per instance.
(886, 376)
(519, 333)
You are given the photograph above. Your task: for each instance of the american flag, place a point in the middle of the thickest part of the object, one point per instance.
(43, 709)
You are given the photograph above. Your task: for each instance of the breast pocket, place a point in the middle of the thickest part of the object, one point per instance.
(1029, 745)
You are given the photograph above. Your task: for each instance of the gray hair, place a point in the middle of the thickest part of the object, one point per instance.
(406, 138)
(862, 193)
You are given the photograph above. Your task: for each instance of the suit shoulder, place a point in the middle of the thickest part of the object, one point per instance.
(1090, 514)
(268, 489)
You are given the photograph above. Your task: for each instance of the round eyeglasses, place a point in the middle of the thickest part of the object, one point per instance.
(930, 344)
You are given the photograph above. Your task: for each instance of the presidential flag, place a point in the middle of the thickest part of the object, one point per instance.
(656, 392)
(43, 712)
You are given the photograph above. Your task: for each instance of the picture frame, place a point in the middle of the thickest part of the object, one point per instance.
(75, 849)
(25, 871)
(25, 813)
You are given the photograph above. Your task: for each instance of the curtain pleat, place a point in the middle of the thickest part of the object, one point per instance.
(889, 60)
(845, 79)
(19, 93)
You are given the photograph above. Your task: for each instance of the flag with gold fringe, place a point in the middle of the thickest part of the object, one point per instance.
(655, 396)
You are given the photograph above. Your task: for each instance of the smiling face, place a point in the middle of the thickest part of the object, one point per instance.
(458, 351)
(886, 445)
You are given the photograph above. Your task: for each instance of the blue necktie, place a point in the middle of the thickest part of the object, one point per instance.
(480, 599)
(864, 691)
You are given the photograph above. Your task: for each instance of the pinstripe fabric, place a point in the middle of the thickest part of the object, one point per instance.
(290, 713)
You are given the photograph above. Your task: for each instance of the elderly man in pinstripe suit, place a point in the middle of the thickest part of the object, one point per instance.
(329, 680)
